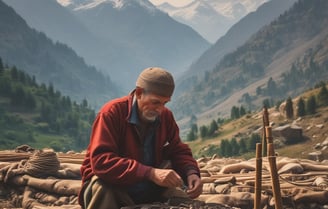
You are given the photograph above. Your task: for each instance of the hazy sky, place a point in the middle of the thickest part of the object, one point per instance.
(173, 2)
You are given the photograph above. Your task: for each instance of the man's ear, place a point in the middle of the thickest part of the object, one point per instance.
(138, 92)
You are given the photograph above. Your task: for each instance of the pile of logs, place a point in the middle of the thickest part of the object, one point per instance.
(228, 183)
(39, 178)
(303, 183)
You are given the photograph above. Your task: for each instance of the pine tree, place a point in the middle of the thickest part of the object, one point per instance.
(191, 136)
(311, 105)
(301, 107)
(228, 149)
(225, 148)
(14, 73)
(84, 103)
(272, 87)
(259, 91)
(251, 143)
(193, 119)
(1, 66)
(323, 96)
(203, 132)
(242, 111)
(234, 146)
(213, 128)
(194, 128)
(18, 96)
(30, 101)
(242, 146)
(289, 108)
(51, 90)
(5, 87)
(234, 112)
(266, 103)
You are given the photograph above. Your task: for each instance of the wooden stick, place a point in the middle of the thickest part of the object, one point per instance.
(260, 151)
(258, 178)
(265, 119)
(273, 169)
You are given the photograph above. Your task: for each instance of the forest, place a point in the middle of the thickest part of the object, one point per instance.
(39, 115)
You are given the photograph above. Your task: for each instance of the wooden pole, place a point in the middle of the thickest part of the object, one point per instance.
(273, 169)
(258, 177)
(260, 151)
(265, 119)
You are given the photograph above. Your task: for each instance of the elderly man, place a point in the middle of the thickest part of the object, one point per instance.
(132, 137)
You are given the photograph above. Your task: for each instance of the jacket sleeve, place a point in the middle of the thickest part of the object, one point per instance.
(180, 153)
(104, 153)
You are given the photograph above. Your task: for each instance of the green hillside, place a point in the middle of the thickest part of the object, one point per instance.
(237, 136)
(39, 116)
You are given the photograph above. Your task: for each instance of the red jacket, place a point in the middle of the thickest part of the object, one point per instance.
(115, 149)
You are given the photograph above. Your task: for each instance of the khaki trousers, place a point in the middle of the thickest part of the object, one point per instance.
(98, 195)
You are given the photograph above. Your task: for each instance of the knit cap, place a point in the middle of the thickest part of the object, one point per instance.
(157, 81)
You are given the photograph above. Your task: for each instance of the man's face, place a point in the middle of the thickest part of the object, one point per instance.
(150, 105)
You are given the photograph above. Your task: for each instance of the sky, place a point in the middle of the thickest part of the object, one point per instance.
(172, 2)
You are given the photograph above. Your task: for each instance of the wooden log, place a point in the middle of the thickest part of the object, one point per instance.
(258, 179)
(265, 118)
(274, 176)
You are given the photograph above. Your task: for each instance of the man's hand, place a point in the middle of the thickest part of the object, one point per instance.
(165, 177)
(195, 186)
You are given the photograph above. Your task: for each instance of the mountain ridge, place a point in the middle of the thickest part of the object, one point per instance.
(211, 19)
(123, 40)
(237, 35)
(245, 72)
(150, 35)
(200, 16)
(50, 62)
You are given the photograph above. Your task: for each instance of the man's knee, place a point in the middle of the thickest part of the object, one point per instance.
(101, 196)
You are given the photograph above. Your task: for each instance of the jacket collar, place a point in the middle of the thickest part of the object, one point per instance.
(131, 98)
(134, 118)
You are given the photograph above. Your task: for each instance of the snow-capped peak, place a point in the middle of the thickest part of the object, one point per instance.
(211, 18)
(193, 9)
(89, 4)
(65, 3)
(95, 4)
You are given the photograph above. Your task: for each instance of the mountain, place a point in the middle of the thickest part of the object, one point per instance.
(200, 16)
(237, 35)
(65, 28)
(121, 37)
(50, 62)
(235, 9)
(282, 59)
(152, 37)
(211, 18)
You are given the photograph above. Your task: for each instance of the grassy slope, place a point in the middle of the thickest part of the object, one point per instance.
(314, 129)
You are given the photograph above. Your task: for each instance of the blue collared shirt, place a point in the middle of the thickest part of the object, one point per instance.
(149, 140)
(145, 191)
